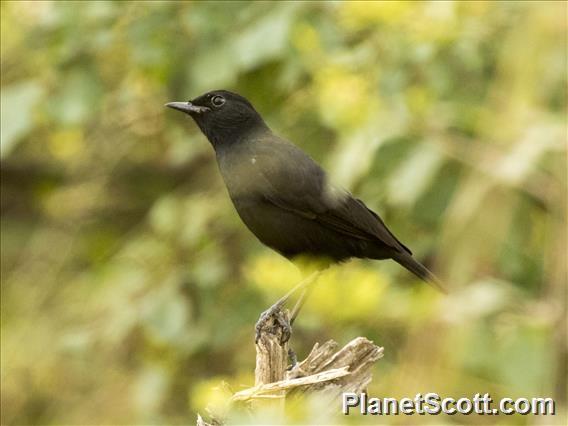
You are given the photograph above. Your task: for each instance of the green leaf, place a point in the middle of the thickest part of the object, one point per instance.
(18, 101)
(78, 98)
(266, 39)
(213, 68)
(413, 177)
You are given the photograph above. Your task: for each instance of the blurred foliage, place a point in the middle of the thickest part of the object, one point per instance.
(130, 287)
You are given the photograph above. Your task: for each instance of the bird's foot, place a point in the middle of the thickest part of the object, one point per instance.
(271, 320)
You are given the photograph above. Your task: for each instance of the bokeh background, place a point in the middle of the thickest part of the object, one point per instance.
(129, 286)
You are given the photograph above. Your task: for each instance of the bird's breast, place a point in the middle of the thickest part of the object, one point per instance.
(242, 175)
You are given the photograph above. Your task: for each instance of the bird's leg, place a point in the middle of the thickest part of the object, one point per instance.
(300, 303)
(295, 311)
(275, 309)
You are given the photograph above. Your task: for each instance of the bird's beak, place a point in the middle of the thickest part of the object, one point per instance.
(187, 107)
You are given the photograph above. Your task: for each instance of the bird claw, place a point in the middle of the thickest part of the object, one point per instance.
(271, 320)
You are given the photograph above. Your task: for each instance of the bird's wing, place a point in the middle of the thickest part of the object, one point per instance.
(294, 182)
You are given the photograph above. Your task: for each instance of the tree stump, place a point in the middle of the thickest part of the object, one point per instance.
(327, 371)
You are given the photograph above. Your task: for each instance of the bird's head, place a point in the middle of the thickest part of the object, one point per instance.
(223, 116)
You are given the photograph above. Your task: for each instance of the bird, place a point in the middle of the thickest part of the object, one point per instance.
(284, 197)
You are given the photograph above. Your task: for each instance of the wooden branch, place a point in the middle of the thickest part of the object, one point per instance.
(346, 370)
(272, 359)
(288, 384)
(358, 357)
(327, 371)
(201, 422)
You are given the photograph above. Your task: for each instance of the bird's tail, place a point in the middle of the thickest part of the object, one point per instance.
(419, 270)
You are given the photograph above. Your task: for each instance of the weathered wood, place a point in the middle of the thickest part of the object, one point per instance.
(268, 390)
(327, 371)
(272, 360)
(346, 370)
(271, 353)
(201, 422)
(358, 356)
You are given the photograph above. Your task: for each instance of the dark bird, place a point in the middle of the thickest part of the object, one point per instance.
(283, 196)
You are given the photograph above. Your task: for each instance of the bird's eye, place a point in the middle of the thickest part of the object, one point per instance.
(218, 101)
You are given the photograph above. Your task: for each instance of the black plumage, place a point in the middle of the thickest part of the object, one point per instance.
(283, 196)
